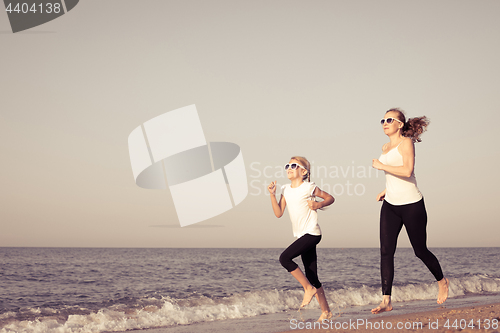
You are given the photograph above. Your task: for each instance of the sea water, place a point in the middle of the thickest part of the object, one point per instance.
(184, 290)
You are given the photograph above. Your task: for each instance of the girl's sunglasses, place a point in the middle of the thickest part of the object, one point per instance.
(293, 166)
(389, 120)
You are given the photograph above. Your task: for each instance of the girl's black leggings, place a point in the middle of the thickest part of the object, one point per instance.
(305, 246)
(392, 218)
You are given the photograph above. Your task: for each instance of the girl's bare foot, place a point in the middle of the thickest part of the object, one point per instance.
(308, 295)
(325, 316)
(443, 284)
(384, 306)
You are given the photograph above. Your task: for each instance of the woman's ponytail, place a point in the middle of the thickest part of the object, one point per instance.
(412, 128)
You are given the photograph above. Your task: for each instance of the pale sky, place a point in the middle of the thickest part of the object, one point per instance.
(278, 78)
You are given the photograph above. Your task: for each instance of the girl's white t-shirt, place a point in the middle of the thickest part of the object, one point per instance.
(304, 220)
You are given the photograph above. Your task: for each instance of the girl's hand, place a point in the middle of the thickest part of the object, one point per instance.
(377, 164)
(381, 196)
(278, 207)
(272, 187)
(313, 205)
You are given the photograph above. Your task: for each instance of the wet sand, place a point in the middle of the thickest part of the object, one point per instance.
(454, 315)
(480, 318)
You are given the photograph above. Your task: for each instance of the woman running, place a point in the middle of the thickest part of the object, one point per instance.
(403, 202)
(302, 208)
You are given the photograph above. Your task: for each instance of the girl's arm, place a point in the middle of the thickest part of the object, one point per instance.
(407, 150)
(278, 208)
(327, 199)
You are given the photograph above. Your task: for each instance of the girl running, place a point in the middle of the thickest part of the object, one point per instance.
(302, 208)
(403, 202)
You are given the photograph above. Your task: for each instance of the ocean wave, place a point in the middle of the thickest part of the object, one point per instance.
(165, 312)
(473, 284)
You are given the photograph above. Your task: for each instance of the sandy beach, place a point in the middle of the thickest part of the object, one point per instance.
(481, 318)
(456, 315)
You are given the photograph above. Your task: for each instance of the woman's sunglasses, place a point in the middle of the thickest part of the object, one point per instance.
(293, 166)
(389, 120)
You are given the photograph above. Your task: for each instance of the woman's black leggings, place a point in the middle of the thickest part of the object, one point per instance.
(392, 218)
(305, 246)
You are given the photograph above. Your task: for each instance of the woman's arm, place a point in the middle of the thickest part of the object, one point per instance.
(407, 150)
(327, 199)
(278, 208)
(381, 195)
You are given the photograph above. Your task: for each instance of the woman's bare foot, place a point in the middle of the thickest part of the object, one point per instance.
(308, 295)
(384, 306)
(443, 284)
(325, 316)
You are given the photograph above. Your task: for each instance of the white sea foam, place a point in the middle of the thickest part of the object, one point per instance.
(476, 284)
(170, 312)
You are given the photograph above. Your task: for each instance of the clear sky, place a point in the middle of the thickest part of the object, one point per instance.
(279, 78)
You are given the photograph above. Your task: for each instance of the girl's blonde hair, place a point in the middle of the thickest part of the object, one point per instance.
(305, 163)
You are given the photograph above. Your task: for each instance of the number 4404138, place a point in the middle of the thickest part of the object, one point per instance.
(478, 323)
(34, 8)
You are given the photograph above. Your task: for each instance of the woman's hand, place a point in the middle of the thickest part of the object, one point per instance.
(381, 196)
(377, 164)
(272, 187)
